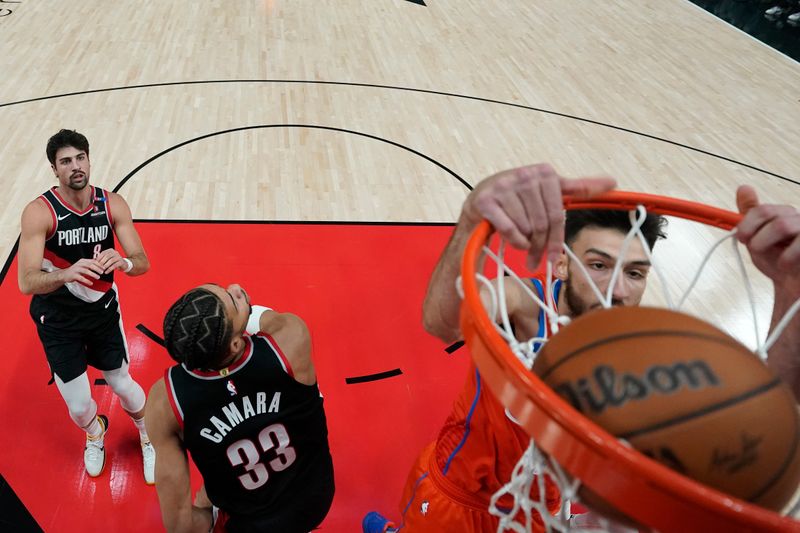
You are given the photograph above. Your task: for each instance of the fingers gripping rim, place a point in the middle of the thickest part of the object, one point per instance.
(642, 488)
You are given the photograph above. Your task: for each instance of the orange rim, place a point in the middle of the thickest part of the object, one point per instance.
(638, 486)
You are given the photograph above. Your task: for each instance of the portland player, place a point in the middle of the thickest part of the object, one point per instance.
(248, 409)
(67, 261)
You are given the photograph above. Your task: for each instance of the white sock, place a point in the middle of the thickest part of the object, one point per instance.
(139, 423)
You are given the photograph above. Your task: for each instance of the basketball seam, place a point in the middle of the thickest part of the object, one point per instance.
(649, 333)
(761, 389)
(779, 473)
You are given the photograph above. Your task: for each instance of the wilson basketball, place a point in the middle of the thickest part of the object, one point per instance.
(684, 393)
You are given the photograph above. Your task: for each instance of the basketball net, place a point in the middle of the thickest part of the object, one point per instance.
(531, 514)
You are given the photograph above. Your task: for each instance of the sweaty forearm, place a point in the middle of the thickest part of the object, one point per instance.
(784, 357)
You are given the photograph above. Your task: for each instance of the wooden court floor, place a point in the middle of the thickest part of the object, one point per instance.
(383, 113)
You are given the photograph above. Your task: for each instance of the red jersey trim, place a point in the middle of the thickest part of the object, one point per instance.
(100, 285)
(278, 352)
(56, 260)
(108, 209)
(173, 399)
(59, 262)
(55, 218)
(222, 519)
(69, 207)
(228, 370)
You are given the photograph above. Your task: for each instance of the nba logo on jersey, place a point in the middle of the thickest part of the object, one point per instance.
(424, 507)
(231, 388)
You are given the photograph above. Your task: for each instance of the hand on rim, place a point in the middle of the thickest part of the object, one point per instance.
(772, 236)
(526, 207)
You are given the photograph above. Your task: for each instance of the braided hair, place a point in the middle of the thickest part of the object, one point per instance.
(196, 331)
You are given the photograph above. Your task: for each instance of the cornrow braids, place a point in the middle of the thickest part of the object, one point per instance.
(196, 331)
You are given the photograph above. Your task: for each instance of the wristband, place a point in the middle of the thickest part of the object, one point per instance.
(254, 322)
(128, 265)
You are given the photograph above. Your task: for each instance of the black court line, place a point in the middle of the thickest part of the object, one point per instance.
(291, 126)
(373, 377)
(150, 335)
(10, 258)
(15, 248)
(291, 222)
(132, 173)
(350, 381)
(15, 516)
(356, 379)
(453, 347)
(412, 89)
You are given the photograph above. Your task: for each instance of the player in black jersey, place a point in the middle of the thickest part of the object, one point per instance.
(248, 409)
(67, 261)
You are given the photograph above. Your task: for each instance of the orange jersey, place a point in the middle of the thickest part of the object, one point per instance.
(478, 446)
(472, 458)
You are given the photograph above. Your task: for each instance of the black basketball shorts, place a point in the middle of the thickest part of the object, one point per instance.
(76, 336)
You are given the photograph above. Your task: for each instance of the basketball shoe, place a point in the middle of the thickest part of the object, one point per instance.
(149, 462)
(94, 455)
(376, 523)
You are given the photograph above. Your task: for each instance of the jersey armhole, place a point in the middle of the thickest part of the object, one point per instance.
(284, 362)
(53, 216)
(173, 398)
(109, 216)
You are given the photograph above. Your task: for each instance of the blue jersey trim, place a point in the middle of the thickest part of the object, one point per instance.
(540, 333)
(542, 318)
(466, 423)
(411, 500)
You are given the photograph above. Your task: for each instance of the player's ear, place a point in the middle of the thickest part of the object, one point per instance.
(237, 343)
(560, 269)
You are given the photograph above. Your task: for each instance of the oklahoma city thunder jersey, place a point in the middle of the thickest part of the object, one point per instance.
(258, 436)
(77, 235)
(479, 445)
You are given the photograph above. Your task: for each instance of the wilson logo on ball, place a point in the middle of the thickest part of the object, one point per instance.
(606, 388)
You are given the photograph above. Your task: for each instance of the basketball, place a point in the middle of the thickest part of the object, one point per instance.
(685, 394)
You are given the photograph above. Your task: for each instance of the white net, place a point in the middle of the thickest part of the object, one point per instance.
(676, 283)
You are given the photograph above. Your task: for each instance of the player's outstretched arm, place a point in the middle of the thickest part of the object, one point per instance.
(772, 236)
(125, 231)
(172, 467)
(35, 225)
(525, 206)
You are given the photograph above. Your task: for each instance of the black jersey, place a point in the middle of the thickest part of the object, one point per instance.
(77, 235)
(258, 436)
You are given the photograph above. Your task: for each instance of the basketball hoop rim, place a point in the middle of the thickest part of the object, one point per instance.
(661, 491)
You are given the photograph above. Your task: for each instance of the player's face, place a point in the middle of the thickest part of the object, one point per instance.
(72, 168)
(597, 249)
(237, 305)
